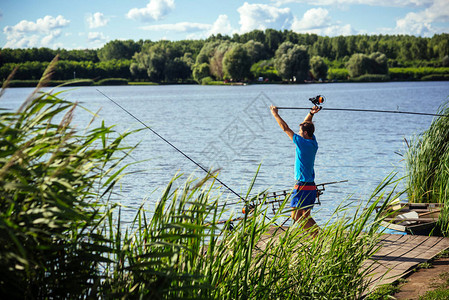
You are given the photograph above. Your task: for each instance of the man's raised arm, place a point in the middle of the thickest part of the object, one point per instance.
(281, 122)
(313, 111)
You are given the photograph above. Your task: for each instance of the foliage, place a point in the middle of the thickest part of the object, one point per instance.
(371, 78)
(256, 51)
(265, 69)
(117, 49)
(400, 51)
(318, 68)
(415, 73)
(161, 62)
(292, 61)
(33, 83)
(51, 181)
(68, 70)
(200, 71)
(206, 80)
(427, 161)
(113, 81)
(338, 74)
(237, 63)
(216, 60)
(360, 64)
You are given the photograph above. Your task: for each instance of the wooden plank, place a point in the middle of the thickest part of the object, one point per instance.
(404, 255)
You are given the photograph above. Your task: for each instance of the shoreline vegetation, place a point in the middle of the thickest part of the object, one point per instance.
(61, 236)
(258, 56)
(397, 74)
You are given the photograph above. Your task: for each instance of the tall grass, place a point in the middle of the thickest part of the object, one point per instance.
(60, 238)
(179, 253)
(427, 162)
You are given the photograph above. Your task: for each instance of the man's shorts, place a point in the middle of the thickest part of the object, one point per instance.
(304, 195)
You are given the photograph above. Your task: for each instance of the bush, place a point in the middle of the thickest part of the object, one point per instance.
(360, 64)
(338, 74)
(207, 80)
(113, 81)
(415, 73)
(265, 69)
(318, 68)
(435, 77)
(33, 83)
(371, 78)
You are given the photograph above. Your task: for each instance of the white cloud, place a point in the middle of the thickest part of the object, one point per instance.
(34, 34)
(421, 22)
(48, 39)
(318, 21)
(178, 27)
(196, 30)
(154, 11)
(96, 37)
(313, 19)
(262, 16)
(221, 25)
(96, 20)
(386, 3)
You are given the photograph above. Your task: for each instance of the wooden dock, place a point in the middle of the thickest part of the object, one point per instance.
(397, 257)
(400, 254)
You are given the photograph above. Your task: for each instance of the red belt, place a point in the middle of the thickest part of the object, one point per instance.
(305, 187)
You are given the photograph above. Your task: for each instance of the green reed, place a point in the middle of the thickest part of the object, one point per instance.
(61, 238)
(427, 163)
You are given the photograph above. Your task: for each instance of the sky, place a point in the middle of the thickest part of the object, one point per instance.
(83, 24)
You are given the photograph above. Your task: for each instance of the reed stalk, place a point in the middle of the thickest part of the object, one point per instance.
(427, 164)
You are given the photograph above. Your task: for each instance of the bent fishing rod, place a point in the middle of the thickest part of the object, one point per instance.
(173, 146)
(320, 99)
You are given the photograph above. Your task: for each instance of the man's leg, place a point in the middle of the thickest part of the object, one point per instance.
(304, 214)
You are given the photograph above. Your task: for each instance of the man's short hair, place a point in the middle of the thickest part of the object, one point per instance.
(308, 127)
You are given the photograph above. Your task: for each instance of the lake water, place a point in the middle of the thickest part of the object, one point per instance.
(231, 127)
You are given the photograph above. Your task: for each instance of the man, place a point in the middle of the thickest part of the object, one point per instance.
(304, 193)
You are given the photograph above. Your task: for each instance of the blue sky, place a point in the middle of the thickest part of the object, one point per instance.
(90, 24)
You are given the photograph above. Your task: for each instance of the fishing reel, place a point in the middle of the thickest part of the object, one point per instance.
(317, 100)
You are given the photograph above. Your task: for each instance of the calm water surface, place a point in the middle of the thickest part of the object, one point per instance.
(231, 127)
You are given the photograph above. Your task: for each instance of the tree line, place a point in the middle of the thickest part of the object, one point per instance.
(269, 54)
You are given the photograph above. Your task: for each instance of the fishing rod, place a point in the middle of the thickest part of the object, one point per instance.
(320, 99)
(173, 146)
(177, 149)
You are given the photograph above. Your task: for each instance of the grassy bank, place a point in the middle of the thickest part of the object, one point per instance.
(60, 236)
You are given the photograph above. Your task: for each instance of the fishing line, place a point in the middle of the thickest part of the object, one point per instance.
(176, 148)
(370, 110)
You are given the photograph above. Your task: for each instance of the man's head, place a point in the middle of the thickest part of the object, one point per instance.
(306, 130)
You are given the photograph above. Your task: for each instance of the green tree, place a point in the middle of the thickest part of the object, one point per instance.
(200, 71)
(118, 50)
(273, 39)
(256, 51)
(292, 62)
(379, 63)
(162, 62)
(216, 61)
(318, 67)
(358, 65)
(237, 63)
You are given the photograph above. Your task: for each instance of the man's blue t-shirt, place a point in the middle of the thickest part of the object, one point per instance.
(305, 158)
